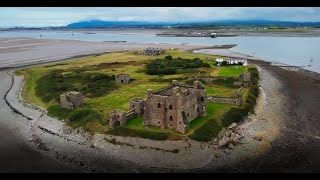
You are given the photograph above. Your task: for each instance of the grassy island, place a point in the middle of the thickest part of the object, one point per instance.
(94, 77)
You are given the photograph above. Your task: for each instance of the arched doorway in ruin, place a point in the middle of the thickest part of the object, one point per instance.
(116, 124)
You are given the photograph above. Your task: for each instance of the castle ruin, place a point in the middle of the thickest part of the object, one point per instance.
(71, 99)
(173, 107)
(122, 78)
(176, 106)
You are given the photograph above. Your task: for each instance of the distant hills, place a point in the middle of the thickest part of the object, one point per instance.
(101, 24)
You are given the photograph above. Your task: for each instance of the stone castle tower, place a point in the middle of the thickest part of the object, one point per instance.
(175, 106)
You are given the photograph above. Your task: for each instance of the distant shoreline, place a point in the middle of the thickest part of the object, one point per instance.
(179, 33)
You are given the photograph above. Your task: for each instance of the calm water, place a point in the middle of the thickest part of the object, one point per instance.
(299, 51)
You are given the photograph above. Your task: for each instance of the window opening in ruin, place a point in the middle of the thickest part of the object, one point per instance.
(171, 118)
(170, 107)
(132, 106)
(159, 105)
(202, 99)
(197, 109)
(158, 122)
(121, 81)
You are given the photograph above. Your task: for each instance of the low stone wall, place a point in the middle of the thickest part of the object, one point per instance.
(224, 100)
(212, 78)
(130, 114)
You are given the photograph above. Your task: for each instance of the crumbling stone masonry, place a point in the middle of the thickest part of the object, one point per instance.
(246, 77)
(122, 78)
(137, 104)
(71, 99)
(234, 99)
(176, 106)
(153, 51)
(119, 117)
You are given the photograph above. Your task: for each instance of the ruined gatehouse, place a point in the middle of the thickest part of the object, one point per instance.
(120, 117)
(176, 106)
(122, 78)
(71, 99)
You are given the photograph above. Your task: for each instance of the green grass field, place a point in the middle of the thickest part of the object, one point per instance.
(231, 71)
(93, 76)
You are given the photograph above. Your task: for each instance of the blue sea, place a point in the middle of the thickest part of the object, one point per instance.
(298, 51)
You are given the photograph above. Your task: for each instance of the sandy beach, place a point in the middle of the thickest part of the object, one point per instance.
(17, 52)
(286, 119)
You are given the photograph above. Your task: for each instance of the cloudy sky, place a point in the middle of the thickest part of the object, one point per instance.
(59, 16)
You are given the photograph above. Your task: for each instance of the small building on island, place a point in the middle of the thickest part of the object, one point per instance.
(71, 99)
(122, 78)
(153, 51)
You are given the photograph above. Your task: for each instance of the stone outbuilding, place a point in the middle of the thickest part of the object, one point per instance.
(175, 106)
(122, 78)
(71, 99)
(153, 51)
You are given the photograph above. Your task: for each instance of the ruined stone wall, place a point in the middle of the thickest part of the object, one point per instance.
(234, 99)
(189, 106)
(138, 105)
(117, 117)
(246, 77)
(77, 99)
(65, 103)
(122, 78)
(176, 107)
(130, 114)
(155, 110)
(224, 100)
(211, 78)
(71, 100)
(199, 89)
(153, 51)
